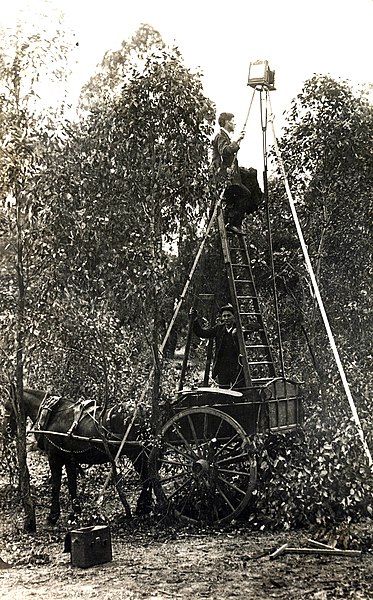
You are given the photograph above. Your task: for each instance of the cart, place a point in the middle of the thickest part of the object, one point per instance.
(206, 465)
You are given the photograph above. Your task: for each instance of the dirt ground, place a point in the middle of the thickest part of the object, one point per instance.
(157, 560)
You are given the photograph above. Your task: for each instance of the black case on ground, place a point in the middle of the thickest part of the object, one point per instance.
(90, 546)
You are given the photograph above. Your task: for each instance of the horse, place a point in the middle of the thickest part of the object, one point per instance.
(72, 433)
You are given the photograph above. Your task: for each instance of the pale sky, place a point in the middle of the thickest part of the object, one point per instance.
(297, 37)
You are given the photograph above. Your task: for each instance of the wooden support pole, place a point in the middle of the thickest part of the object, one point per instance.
(320, 545)
(323, 551)
(318, 549)
(278, 552)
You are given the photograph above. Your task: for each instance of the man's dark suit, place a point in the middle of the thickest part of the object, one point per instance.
(242, 194)
(226, 367)
(224, 157)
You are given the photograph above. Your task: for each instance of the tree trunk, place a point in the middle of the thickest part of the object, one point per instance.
(24, 475)
(157, 262)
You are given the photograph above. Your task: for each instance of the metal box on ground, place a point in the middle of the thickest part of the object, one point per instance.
(90, 546)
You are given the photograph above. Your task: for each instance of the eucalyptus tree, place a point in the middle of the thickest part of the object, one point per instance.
(116, 66)
(29, 60)
(326, 151)
(138, 167)
(326, 148)
(119, 202)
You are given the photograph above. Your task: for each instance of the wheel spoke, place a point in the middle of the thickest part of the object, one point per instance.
(174, 463)
(192, 428)
(230, 472)
(218, 429)
(203, 467)
(225, 498)
(181, 487)
(178, 450)
(170, 478)
(222, 448)
(233, 486)
(186, 443)
(185, 504)
(231, 459)
(205, 426)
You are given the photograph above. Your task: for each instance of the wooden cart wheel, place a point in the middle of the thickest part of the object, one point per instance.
(205, 469)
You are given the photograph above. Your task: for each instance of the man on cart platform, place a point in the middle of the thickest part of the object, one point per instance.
(226, 369)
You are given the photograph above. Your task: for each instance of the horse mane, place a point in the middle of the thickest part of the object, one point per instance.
(40, 393)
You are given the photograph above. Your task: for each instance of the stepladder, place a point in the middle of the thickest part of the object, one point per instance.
(256, 353)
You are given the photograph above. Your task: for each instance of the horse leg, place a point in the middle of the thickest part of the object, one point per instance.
(144, 502)
(71, 473)
(55, 466)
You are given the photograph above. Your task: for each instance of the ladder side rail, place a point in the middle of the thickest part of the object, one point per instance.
(190, 277)
(228, 266)
(263, 334)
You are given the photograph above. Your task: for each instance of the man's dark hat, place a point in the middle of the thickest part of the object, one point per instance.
(227, 307)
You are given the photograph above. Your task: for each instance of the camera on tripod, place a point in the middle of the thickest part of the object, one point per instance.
(261, 75)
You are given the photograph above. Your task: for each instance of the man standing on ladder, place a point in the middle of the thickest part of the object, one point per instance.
(242, 193)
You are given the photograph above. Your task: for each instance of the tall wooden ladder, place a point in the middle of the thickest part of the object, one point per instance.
(257, 360)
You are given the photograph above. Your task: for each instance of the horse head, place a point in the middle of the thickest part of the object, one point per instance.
(31, 401)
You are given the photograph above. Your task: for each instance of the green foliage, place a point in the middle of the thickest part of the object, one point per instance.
(325, 148)
(323, 477)
(317, 477)
(116, 66)
(135, 199)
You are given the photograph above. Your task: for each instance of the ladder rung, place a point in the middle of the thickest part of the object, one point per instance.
(260, 362)
(253, 330)
(261, 380)
(256, 346)
(247, 282)
(249, 322)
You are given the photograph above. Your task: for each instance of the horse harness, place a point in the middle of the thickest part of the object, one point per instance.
(45, 410)
(51, 405)
(48, 406)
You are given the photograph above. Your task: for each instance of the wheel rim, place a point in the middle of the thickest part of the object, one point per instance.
(205, 468)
